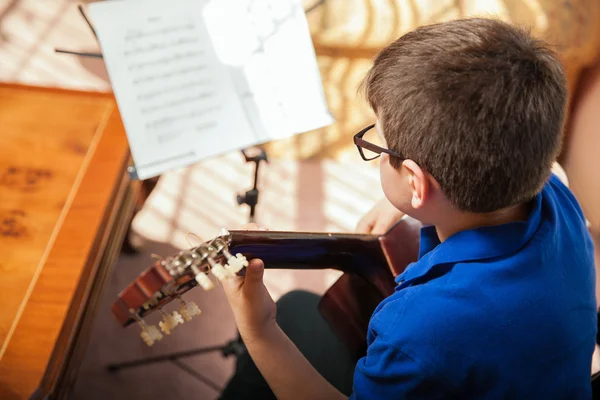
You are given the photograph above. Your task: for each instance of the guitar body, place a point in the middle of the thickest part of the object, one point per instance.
(349, 303)
(369, 263)
(347, 307)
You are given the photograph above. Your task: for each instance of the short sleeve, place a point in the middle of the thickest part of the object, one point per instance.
(388, 373)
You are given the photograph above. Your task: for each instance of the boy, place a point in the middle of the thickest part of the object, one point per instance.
(501, 302)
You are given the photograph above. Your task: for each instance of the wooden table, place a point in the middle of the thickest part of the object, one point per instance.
(66, 203)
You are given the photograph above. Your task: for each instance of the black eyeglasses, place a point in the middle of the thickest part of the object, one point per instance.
(374, 151)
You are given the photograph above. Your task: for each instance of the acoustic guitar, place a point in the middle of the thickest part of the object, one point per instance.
(369, 263)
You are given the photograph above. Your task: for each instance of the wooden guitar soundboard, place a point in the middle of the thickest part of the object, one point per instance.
(65, 205)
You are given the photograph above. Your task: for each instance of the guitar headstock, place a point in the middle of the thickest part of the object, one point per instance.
(169, 278)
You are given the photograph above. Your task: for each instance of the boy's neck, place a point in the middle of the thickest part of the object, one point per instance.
(462, 221)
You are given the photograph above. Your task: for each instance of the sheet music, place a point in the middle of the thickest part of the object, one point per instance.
(197, 78)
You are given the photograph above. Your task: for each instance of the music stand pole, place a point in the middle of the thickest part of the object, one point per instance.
(251, 196)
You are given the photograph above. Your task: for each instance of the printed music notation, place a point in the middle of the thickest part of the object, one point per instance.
(149, 56)
(197, 78)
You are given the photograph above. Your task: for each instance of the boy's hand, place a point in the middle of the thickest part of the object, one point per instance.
(380, 218)
(253, 308)
(252, 305)
(286, 370)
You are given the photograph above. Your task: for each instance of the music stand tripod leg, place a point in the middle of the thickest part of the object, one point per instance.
(233, 347)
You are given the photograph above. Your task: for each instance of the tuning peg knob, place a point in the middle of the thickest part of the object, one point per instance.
(150, 334)
(188, 310)
(204, 281)
(176, 319)
(165, 327)
(169, 322)
(220, 272)
(236, 263)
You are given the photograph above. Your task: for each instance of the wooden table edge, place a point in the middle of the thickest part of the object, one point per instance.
(111, 142)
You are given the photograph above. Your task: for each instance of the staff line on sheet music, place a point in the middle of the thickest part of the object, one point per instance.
(166, 160)
(166, 75)
(166, 137)
(193, 114)
(161, 46)
(186, 85)
(166, 60)
(159, 32)
(177, 102)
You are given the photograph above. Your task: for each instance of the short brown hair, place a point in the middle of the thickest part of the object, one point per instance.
(478, 103)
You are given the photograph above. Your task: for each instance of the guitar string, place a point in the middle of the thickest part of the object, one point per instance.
(201, 241)
(192, 233)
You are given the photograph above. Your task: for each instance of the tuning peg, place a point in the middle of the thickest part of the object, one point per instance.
(165, 327)
(235, 263)
(188, 309)
(219, 271)
(202, 279)
(150, 333)
(177, 318)
(169, 322)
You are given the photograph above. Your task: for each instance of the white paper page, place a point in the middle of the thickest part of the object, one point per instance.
(197, 78)
(268, 47)
(177, 102)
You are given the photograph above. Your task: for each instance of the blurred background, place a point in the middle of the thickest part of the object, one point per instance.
(313, 182)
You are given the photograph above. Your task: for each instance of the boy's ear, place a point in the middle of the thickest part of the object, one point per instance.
(419, 183)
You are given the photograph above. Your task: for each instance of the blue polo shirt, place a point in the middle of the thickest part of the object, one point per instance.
(502, 312)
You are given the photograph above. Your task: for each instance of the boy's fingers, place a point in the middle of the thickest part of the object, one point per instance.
(252, 275)
(254, 272)
(381, 227)
(365, 224)
(233, 284)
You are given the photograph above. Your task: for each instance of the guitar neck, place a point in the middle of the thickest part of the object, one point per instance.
(356, 253)
(376, 259)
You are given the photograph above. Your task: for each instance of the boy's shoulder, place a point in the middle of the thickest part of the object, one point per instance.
(449, 302)
(439, 330)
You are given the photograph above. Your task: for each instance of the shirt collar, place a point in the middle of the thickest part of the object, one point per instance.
(474, 244)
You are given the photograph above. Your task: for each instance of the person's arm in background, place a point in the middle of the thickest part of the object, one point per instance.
(380, 218)
(581, 163)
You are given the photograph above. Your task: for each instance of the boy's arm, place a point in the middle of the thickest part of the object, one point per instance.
(286, 370)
